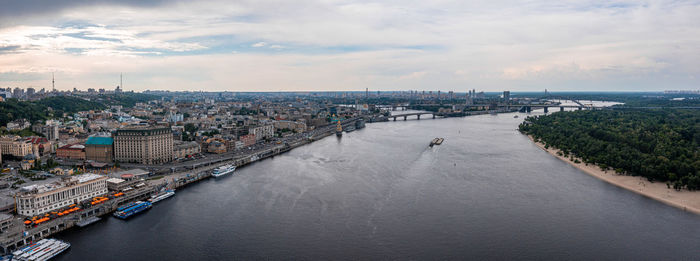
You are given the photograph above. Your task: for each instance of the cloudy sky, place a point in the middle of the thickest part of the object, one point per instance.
(257, 45)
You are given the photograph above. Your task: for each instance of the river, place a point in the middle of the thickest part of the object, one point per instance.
(381, 193)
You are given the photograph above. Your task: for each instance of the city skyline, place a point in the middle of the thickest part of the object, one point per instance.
(350, 46)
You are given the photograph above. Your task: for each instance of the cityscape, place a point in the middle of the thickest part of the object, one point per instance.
(144, 138)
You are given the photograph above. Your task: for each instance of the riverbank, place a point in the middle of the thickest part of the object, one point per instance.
(684, 199)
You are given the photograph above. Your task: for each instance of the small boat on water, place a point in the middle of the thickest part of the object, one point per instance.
(436, 141)
(439, 141)
(516, 116)
(433, 142)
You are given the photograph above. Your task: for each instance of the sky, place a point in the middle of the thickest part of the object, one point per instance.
(337, 45)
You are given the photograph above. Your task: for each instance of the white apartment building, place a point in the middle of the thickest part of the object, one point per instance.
(263, 131)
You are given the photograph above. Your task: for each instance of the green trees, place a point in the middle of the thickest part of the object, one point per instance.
(13, 109)
(660, 145)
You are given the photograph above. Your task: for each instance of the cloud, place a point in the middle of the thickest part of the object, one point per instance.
(13, 10)
(445, 44)
(259, 44)
(88, 40)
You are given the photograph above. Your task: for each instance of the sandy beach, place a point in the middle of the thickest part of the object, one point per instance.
(684, 199)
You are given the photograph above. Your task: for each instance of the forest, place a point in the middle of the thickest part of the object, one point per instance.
(54, 107)
(659, 144)
(13, 109)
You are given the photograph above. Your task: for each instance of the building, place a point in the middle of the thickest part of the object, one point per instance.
(71, 151)
(217, 147)
(18, 124)
(506, 96)
(263, 131)
(50, 130)
(145, 145)
(15, 146)
(99, 149)
(248, 140)
(131, 174)
(296, 126)
(182, 149)
(175, 117)
(40, 145)
(39, 199)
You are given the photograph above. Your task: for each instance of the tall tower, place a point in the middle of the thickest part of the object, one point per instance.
(53, 82)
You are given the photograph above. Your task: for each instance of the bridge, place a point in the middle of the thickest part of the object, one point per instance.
(523, 107)
(405, 115)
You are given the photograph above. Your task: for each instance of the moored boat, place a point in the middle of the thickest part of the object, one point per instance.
(339, 129)
(131, 209)
(43, 250)
(162, 195)
(223, 170)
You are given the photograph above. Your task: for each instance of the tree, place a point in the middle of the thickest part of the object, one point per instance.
(659, 145)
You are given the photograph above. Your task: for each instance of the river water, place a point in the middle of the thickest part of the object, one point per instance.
(381, 193)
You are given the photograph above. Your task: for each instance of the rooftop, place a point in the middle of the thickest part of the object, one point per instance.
(41, 188)
(99, 141)
(72, 147)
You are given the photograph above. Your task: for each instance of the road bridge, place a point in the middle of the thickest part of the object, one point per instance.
(418, 114)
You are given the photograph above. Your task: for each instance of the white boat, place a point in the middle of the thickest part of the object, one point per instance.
(223, 170)
(162, 195)
(45, 249)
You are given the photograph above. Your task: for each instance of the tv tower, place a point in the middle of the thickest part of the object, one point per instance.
(53, 82)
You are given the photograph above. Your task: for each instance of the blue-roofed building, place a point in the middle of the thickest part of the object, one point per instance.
(100, 149)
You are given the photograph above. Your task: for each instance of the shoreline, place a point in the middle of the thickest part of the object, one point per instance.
(685, 200)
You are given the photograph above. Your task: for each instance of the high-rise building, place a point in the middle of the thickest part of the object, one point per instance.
(18, 93)
(506, 96)
(143, 144)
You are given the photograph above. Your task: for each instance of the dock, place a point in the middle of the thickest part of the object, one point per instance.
(87, 221)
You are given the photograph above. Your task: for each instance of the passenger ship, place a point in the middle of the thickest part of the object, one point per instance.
(45, 249)
(223, 170)
(162, 195)
(132, 208)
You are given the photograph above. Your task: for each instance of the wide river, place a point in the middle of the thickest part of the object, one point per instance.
(381, 193)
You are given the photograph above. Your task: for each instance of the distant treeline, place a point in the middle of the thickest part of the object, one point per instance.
(13, 109)
(659, 144)
(126, 99)
(56, 106)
